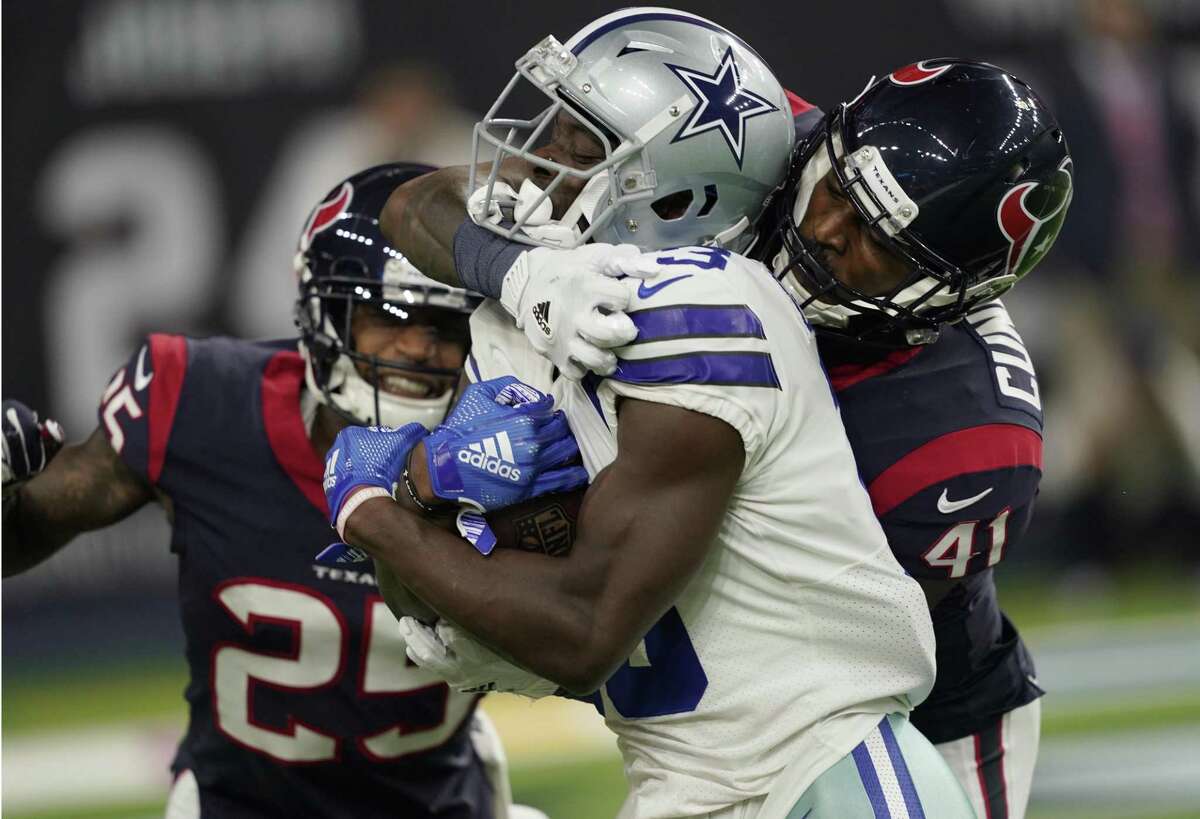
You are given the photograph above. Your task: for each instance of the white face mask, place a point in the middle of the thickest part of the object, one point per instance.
(355, 396)
(351, 394)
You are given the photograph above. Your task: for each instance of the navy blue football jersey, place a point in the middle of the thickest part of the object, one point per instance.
(301, 699)
(948, 440)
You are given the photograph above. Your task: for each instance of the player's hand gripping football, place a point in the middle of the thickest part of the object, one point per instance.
(364, 463)
(503, 443)
(570, 303)
(466, 665)
(29, 443)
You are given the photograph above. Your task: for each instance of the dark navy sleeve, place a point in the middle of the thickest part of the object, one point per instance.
(482, 258)
(956, 505)
(137, 410)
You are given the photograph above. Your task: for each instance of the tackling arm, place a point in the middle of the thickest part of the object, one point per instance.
(87, 486)
(646, 525)
(421, 218)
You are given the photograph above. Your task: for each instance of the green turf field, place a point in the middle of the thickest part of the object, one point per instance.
(591, 787)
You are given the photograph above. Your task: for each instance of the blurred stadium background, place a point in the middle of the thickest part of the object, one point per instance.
(160, 156)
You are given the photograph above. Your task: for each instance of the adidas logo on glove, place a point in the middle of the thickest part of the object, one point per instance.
(541, 314)
(493, 454)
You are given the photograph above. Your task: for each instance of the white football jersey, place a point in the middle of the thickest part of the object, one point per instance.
(800, 630)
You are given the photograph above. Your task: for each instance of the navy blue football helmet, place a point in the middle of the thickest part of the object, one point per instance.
(959, 169)
(344, 262)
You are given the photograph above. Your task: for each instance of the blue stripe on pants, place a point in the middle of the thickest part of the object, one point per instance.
(911, 800)
(870, 780)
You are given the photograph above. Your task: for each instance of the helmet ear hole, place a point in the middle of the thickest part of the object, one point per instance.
(350, 268)
(673, 205)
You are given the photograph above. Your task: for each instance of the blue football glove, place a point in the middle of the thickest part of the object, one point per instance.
(29, 443)
(488, 399)
(341, 553)
(366, 457)
(502, 444)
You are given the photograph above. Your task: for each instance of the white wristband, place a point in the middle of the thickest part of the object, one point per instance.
(356, 500)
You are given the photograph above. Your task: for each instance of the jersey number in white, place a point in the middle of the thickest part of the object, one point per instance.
(118, 396)
(953, 549)
(318, 660)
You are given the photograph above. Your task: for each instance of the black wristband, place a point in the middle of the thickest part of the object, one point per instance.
(482, 258)
(411, 487)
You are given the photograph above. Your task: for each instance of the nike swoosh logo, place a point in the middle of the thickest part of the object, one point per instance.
(140, 379)
(946, 506)
(645, 292)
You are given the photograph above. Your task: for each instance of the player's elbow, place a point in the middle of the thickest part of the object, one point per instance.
(585, 657)
(395, 210)
(591, 664)
(583, 680)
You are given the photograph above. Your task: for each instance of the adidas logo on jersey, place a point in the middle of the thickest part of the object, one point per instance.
(493, 454)
(541, 314)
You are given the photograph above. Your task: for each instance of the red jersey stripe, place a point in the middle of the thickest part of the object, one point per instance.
(168, 357)
(283, 378)
(983, 789)
(977, 449)
(844, 376)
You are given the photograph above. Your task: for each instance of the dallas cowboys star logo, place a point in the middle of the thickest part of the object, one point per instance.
(724, 104)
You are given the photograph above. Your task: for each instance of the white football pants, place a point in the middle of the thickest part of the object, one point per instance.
(995, 766)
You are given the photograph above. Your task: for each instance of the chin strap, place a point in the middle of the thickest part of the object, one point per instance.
(732, 232)
(533, 211)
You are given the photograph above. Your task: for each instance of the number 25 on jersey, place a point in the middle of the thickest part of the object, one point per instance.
(318, 660)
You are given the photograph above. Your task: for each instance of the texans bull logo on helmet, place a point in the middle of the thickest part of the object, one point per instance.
(326, 214)
(1030, 217)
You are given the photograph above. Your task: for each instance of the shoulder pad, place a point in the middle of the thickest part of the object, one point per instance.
(705, 275)
(693, 328)
(1013, 376)
(989, 449)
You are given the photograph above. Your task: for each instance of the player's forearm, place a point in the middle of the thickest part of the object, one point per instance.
(85, 487)
(426, 219)
(542, 613)
(421, 217)
(29, 536)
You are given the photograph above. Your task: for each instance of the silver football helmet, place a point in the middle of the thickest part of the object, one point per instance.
(695, 128)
